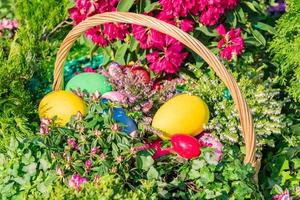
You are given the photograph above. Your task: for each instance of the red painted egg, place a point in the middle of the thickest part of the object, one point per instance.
(185, 145)
(159, 150)
(139, 71)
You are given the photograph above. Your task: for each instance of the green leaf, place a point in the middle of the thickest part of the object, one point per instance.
(120, 54)
(152, 173)
(206, 31)
(30, 169)
(145, 162)
(241, 15)
(125, 5)
(251, 6)
(259, 37)
(197, 164)
(296, 162)
(265, 27)
(206, 176)
(152, 6)
(193, 174)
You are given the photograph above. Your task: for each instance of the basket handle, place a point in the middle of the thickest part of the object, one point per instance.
(188, 40)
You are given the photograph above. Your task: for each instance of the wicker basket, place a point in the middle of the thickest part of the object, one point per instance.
(184, 38)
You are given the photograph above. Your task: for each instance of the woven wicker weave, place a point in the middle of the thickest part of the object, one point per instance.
(184, 38)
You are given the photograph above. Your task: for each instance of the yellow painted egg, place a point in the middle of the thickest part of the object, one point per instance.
(61, 104)
(184, 114)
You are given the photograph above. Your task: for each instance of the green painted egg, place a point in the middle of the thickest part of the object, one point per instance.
(89, 82)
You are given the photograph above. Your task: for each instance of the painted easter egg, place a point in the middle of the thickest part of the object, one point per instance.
(120, 116)
(139, 71)
(89, 82)
(183, 113)
(62, 104)
(114, 96)
(185, 145)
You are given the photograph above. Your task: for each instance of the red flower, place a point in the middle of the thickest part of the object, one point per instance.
(232, 43)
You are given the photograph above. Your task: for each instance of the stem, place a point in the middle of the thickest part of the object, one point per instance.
(59, 26)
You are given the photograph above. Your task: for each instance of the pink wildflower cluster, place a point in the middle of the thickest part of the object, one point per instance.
(8, 24)
(231, 44)
(76, 181)
(100, 35)
(283, 196)
(44, 126)
(206, 139)
(209, 11)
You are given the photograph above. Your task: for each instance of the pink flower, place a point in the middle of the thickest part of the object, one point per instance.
(76, 181)
(89, 70)
(187, 25)
(7, 23)
(232, 43)
(100, 34)
(208, 140)
(96, 35)
(88, 164)
(59, 172)
(115, 31)
(143, 35)
(72, 142)
(168, 60)
(97, 179)
(44, 129)
(94, 151)
(146, 107)
(177, 8)
(44, 126)
(69, 158)
(15, 23)
(211, 16)
(283, 196)
(115, 127)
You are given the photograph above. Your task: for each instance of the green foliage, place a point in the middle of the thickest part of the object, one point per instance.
(25, 169)
(285, 48)
(281, 168)
(28, 55)
(261, 98)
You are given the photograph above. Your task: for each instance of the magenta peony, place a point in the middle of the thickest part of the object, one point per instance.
(231, 44)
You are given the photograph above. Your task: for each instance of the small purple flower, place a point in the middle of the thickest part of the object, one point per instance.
(283, 196)
(88, 164)
(73, 143)
(76, 181)
(279, 8)
(94, 151)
